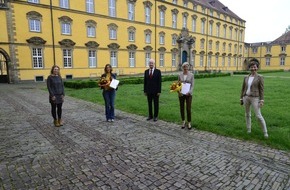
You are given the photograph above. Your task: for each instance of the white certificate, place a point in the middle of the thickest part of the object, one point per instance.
(185, 88)
(114, 83)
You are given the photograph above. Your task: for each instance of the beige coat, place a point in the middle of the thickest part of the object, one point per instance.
(257, 87)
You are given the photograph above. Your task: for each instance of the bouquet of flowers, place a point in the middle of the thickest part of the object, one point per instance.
(175, 87)
(102, 81)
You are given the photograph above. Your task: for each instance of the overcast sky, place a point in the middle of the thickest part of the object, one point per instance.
(266, 20)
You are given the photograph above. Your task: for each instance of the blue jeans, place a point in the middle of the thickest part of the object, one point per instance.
(109, 97)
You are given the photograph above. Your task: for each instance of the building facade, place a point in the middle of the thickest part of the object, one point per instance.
(82, 36)
(274, 55)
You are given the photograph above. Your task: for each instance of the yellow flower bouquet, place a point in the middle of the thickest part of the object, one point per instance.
(175, 87)
(102, 81)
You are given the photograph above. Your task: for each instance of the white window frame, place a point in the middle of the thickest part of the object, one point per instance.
(37, 57)
(147, 58)
(91, 31)
(34, 25)
(66, 28)
(131, 35)
(194, 25)
(161, 39)
(113, 34)
(201, 60)
(132, 59)
(64, 4)
(173, 59)
(268, 61)
(92, 58)
(174, 20)
(114, 58)
(282, 61)
(131, 11)
(112, 8)
(148, 38)
(162, 18)
(184, 21)
(90, 7)
(33, 1)
(147, 15)
(161, 59)
(67, 58)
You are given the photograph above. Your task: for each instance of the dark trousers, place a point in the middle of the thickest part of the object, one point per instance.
(182, 100)
(109, 97)
(56, 108)
(155, 99)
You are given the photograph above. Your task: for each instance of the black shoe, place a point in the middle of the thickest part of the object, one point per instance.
(149, 118)
(155, 119)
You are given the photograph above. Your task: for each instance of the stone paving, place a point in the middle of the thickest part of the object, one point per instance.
(131, 153)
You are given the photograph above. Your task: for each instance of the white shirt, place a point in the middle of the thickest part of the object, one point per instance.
(250, 81)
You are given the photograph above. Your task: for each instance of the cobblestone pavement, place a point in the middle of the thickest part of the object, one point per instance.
(131, 153)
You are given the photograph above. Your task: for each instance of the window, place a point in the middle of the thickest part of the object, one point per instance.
(161, 59)
(131, 11)
(174, 38)
(90, 6)
(231, 33)
(229, 61)
(192, 59)
(113, 59)
(283, 48)
(218, 30)
(194, 24)
(268, 59)
(223, 61)
(131, 36)
(92, 59)
(147, 37)
(34, 25)
(64, 4)
(241, 35)
(210, 28)
(91, 31)
(282, 61)
(217, 46)
(65, 22)
(132, 59)
(67, 58)
(174, 2)
(209, 61)
(224, 47)
(173, 62)
(113, 34)
(216, 60)
(33, 1)
(201, 60)
(174, 20)
(202, 26)
(235, 61)
(184, 21)
(268, 49)
(147, 58)
(112, 8)
(162, 18)
(185, 3)
(37, 58)
(254, 49)
(210, 44)
(225, 31)
(202, 44)
(161, 38)
(147, 15)
(65, 28)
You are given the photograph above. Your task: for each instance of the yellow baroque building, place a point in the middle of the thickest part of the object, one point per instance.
(272, 55)
(82, 36)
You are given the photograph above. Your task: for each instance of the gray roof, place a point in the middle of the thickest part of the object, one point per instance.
(218, 6)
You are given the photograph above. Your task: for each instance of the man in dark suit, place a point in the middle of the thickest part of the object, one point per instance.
(152, 89)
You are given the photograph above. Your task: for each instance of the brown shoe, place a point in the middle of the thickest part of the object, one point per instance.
(60, 122)
(56, 123)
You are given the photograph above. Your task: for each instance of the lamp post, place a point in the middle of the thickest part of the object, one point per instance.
(52, 32)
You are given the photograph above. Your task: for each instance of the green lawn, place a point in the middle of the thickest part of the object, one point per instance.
(215, 107)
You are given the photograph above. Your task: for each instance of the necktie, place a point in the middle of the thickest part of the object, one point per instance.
(150, 74)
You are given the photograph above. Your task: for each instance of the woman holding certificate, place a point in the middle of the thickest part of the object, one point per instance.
(109, 86)
(185, 95)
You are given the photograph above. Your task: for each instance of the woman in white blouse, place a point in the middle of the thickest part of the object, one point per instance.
(252, 94)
